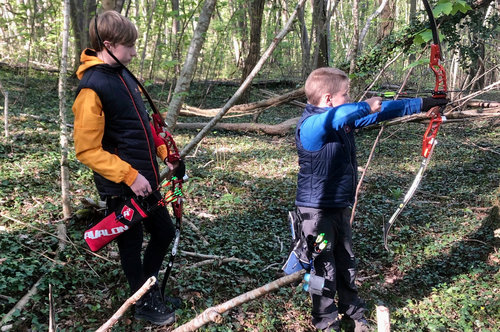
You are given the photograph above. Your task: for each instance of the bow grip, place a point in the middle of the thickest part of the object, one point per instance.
(430, 135)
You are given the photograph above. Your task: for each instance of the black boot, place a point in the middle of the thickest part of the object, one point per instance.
(151, 308)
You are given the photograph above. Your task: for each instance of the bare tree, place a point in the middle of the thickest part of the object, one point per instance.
(189, 67)
(353, 53)
(279, 37)
(256, 11)
(321, 56)
(62, 116)
(81, 12)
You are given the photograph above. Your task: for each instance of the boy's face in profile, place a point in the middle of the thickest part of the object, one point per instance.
(342, 96)
(123, 53)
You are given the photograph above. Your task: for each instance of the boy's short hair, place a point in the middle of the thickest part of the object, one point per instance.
(113, 27)
(323, 80)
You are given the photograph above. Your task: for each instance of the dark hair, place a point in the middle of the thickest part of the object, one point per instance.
(113, 27)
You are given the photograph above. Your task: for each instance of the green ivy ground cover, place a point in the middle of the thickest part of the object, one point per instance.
(441, 276)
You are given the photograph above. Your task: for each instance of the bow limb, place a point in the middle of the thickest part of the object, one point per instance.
(409, 194)
(176, 188)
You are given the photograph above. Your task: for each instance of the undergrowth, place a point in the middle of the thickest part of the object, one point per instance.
(442, 273)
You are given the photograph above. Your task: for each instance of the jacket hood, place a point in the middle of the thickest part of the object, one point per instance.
(88, 59)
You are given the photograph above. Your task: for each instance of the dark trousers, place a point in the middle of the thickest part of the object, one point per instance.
(336, 263)
(162, 231)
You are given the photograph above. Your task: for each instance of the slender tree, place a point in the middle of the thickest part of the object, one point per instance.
(256, 11)
(189, 67)
(321, 54)
(62, 118)
(81, 11)
(353, 53)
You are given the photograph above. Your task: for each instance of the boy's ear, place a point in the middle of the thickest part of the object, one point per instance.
(107, 44)
(327, 99)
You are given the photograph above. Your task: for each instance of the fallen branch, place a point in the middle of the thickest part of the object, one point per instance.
(197, 231)
(130, 301)
(246, 109)
(22, 302)
(213, 314)
(277, 129)
(220, 261)
(205, 256)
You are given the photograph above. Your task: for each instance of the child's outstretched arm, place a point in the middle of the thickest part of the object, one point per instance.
(396, 108)
(315, 129)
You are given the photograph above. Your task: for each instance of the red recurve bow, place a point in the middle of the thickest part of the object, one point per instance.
(429, 140)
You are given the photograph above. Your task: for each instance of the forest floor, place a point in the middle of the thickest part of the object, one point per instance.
(442, 273)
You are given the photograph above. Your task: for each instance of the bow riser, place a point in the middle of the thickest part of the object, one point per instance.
(441, 87)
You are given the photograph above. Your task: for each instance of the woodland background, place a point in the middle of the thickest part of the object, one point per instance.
(228, 75)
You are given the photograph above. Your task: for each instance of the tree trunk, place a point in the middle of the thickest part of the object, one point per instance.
(377, 12)
(256, 11)
(146, 39)
(305, 45)
(81, 12)
(176, 27)
(116, 5)
(189, 67)
(353, 54)
(320, 58)
(245, 84)
(386, 21)
(63, 129)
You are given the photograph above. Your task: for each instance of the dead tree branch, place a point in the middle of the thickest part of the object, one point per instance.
(287, 28)
(213, 314)
(130, 301)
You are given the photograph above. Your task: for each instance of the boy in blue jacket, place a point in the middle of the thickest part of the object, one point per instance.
(326, 185)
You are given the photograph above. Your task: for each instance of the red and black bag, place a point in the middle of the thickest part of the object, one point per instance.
(125, 216)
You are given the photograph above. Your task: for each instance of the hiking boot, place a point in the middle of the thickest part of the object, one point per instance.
(151, 308)
(361, 325)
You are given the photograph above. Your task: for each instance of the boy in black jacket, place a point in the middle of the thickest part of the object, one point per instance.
(113, 136)
(326, 185)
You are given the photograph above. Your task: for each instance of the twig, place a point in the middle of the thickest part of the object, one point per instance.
(213, 314)
(197, 231)
(358, 187)
(52, 315)
(65, 240)
(378, 75)
(471, 96)
(130, 301)
(195, 254)
(270, 266)
(468, 141)
(219, 261)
